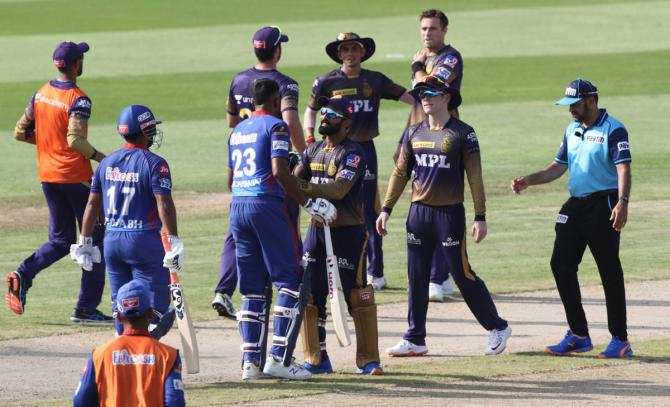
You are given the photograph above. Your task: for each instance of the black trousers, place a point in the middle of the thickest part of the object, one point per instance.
(585, 222)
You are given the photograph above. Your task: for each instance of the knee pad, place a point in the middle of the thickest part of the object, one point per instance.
(364, 312)
(253, 325)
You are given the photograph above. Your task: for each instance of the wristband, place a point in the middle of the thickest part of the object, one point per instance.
(93, 155)
(310, 140)
(386, 209)
(480, 218)
(624, 198)
(418, 66)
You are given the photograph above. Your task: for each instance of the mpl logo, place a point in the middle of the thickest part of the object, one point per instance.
(432, 160)
(362, 105)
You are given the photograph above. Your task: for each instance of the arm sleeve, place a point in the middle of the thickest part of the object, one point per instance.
(25, 127)
(76, 136)
(290, 97)
(96, 183)
(401, 173)
(317, 90)
(161, 178)
(473, 168)
(390, 89)
(174, 387)
(231, 106)
(348, 172)
(86, 394)
(562, 154)
(618, 145)
(449, 69)
(281, 144)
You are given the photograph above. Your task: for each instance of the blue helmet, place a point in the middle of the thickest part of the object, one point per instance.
(138, 119)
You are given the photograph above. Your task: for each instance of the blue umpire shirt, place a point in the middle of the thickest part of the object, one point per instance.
(592, 154)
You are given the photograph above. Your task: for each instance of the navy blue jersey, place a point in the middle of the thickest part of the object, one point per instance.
(251, 147)
(240, 95)
(364, 91)
(128, 179)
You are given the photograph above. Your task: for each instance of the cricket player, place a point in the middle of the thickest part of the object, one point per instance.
(56, 122)
(365, 89)
(133, 369)
(266, 240)
(440, 151)
(133, 186)
(268, 50)
(596, 152)
(334, 169)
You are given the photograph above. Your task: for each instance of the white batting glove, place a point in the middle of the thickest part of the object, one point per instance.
(174, 259)
(322, 210)
(84, 253)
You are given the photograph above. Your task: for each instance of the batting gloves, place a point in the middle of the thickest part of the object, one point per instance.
(84, 253)
(174, 259)
(322, 210)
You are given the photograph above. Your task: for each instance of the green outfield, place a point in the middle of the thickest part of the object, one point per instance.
(178, 58)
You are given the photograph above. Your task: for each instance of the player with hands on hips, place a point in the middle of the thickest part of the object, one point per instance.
(133, 186)
(439, 151)
(596, 152)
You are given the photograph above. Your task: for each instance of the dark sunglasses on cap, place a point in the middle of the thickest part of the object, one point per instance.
(430, 93)
(330, 113)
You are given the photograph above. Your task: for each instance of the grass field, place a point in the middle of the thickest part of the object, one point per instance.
(178, 57)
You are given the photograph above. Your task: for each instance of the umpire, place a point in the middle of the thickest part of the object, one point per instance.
(595, 150)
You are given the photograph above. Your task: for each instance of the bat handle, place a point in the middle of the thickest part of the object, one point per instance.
(165, 238)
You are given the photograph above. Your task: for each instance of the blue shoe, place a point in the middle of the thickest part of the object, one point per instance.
(570, 344)
(617, 349)
(323, 367)
(372, 369)
(96, 316)
(164, 324)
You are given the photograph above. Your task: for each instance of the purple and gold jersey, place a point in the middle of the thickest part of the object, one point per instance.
(240, 96)
(336, 174)
(447, 65)
(251, 147)
(364, 91)
(128, 179)
(439, 158)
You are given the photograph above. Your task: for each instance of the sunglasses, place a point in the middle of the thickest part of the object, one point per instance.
(430, 93)
(278, 37)
(330, 113)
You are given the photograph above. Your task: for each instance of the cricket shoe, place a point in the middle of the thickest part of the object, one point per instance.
(323, 367)
(164, 324)
(372, 369)
(617, 349)
(498, 340)
(571, 343)
(79, 316)
(435, 293)
(275, 368)
(224, 306)
(378, 283)
(251, 370)
(16, 293)
(406, 348)
(447, 286)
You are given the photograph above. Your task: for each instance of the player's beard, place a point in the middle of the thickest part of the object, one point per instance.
(326, 129)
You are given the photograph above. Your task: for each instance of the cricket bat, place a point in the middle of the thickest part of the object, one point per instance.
(338, 306)
(189, 343)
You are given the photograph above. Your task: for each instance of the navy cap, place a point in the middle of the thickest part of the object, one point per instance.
(268, 37)
(339, 104)
(66, 53)
(133, 299)
(576, 91)
(135, 118)
(438, 85)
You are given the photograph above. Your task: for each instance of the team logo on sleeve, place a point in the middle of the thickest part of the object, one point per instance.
(164, 169)
(165, 183)
(451, 61)
(472, 137)
(347, 174)
(623, 146)
(353, 160)
(442, 73)
(280, 145)
(562, 218)
(293, 87)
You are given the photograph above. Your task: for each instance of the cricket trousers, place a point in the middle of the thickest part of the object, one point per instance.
(442, 228)
(372, 208)
(585, 222)
(66, 204)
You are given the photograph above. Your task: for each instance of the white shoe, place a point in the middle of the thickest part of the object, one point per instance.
(435, 293)
(407, 348)
(251, 370)
(447, 286)
(274, 367)
(377, 283)
(224, 305)
(498, 341)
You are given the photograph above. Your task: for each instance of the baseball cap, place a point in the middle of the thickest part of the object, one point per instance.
(576, 91)
(66, 53)
(133, 299)
(339, 104)
(268, 37)
(135, 118)
(436, 84)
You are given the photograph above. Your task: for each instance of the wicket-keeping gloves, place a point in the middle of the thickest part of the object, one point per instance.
(174, 259)
(84, 253)
(322, 210)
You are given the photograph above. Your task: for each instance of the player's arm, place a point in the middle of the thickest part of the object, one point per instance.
(77, 128)
(473, 169)
(91, 213)
(25, 127)
(167, 212)
(288, 182)
(309, 121)
(230, 179)
(232, 114)
(349, 171)
(86, 394)
(407, 98)
(295, 129)
(173, 390)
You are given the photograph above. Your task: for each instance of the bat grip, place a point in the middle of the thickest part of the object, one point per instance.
(165, 238)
